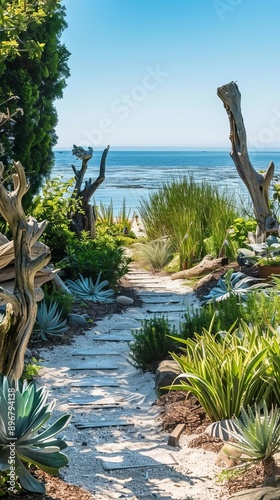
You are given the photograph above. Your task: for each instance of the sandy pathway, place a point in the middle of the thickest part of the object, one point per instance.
(92, 380)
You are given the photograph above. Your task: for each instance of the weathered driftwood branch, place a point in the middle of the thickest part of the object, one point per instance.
(207, 265)
(256, 183)
(84, 219)
(21, 309)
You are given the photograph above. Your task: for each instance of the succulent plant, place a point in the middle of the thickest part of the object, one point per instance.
(83, 288)
(23, 411)
(48, 321)
(233, 284)
(257, 434)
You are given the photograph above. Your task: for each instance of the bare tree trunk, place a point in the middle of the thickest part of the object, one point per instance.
(84, 219)
(21, 309)
(257, 184)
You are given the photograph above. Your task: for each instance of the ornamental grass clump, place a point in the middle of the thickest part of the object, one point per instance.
(194, 216)
(155, 254)
(228, 370)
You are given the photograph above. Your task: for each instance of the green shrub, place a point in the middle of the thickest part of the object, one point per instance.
(54, 205)
(222, 314)
(90, 257)
(189, 214)
(152, 343)
(261, 308)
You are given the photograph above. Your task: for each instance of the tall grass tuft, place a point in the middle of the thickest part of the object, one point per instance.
(194, 216)
(155, 254)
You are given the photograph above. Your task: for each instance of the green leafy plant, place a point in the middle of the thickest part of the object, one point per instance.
(225, 371)
(155, 254)
(85, 289)
(238, 231)
(54, 204)
(222, 314)
(88, 257)
(266, 253)
(31, 369)
(233, 284)
(152, 343)
(257, 435)
(49, 321)
(30, 410)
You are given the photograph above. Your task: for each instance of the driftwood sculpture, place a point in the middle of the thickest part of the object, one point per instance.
(256, 183)
(21, 308)
(84, 218)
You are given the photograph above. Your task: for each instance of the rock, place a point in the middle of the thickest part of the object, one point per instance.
(124, 301)
(272, 481)
(86, 316)
(266, 493)
(166, 373)
(76, 319)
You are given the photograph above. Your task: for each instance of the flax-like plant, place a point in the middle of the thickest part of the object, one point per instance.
(257, 435)
(225, 371)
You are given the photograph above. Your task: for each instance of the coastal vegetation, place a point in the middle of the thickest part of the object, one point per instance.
(195, 217)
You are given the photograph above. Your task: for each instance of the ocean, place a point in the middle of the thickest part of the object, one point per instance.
(133, 175)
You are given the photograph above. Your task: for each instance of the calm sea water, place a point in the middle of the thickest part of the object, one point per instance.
(133, 175)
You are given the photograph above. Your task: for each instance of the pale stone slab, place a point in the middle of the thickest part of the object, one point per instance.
(163, 300)
(94, 352)
(101, 364)
(96, 382)
(166, 310)
(113, 338)
(102, 423)
(92, 400)
(134, 460)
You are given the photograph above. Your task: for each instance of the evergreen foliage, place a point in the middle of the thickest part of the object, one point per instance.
(37, 82)
(152, 343)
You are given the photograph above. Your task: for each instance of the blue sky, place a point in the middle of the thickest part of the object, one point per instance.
(145, 72)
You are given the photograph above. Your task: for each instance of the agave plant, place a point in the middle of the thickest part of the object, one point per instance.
(48, 321)
(23, 411)
(83, 288)
(233, 283)
(257, 434)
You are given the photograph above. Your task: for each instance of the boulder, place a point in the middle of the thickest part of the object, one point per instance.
(76, 319)
(124, 300)
(266, 493)
(166, 373)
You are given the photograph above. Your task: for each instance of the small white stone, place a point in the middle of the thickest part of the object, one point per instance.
(125, 301)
